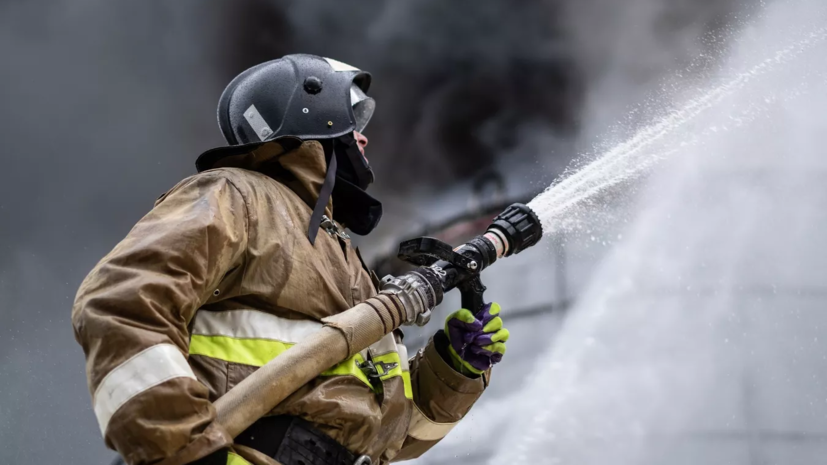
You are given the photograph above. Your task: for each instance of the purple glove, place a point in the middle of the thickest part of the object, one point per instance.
(476, 341)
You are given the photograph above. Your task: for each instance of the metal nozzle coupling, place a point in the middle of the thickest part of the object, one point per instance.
(419, 291)
(514, 230)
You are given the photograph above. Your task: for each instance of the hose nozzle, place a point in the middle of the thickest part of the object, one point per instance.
(514, 230)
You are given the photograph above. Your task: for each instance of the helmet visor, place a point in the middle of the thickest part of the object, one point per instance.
(363, 107)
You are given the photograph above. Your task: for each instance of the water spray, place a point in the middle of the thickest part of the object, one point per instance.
(568, 201)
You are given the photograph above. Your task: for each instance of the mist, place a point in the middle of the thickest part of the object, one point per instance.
(699, 338)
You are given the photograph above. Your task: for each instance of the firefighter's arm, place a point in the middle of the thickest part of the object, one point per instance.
(450, 374)
(131, 315)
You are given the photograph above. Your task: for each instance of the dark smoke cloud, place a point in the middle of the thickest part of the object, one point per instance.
(455, 80)
(105, 105)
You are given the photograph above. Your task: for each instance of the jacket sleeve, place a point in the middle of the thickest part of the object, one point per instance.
(442, 396)
(131, 315)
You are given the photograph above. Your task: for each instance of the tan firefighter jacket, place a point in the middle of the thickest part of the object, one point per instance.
(218, 279)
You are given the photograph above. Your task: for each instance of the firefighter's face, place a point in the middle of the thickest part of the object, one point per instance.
(361, 142)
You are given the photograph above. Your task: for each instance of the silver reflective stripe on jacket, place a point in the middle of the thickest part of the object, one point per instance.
(144, 370)
(252, 324)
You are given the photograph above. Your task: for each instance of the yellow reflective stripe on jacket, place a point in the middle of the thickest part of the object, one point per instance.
(257, 352)
(406, 379)
(350, 367)
(252, 337)
(388, 359)
(394, 360)
(235, 459)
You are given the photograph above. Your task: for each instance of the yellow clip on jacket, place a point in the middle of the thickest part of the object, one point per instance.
(218, 279)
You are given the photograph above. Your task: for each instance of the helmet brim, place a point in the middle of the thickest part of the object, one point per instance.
(208, 159)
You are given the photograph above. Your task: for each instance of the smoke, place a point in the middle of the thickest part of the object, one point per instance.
(106, 105)
(466, 83)
(454, 81)
(629, 49)
(699, 338)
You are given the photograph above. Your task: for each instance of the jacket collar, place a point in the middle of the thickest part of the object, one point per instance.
(302, 168)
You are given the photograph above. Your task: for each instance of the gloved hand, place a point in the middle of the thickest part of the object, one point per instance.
(476, 342)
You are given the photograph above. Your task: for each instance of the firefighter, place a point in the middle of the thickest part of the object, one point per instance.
(239, 262)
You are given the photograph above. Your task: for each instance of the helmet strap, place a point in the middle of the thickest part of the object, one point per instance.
(324, 198)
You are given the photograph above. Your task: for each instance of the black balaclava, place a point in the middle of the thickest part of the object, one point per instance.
(348, 175)
(354, 207)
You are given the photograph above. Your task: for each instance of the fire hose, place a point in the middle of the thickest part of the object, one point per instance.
(407, 299)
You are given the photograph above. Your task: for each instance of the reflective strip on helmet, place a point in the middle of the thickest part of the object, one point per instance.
(235, 459)
(339, 66)
(142, 371)
(425, 429)
(257, 122)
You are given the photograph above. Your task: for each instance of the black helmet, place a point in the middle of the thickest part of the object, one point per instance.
(309, 98)
(304, 96)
